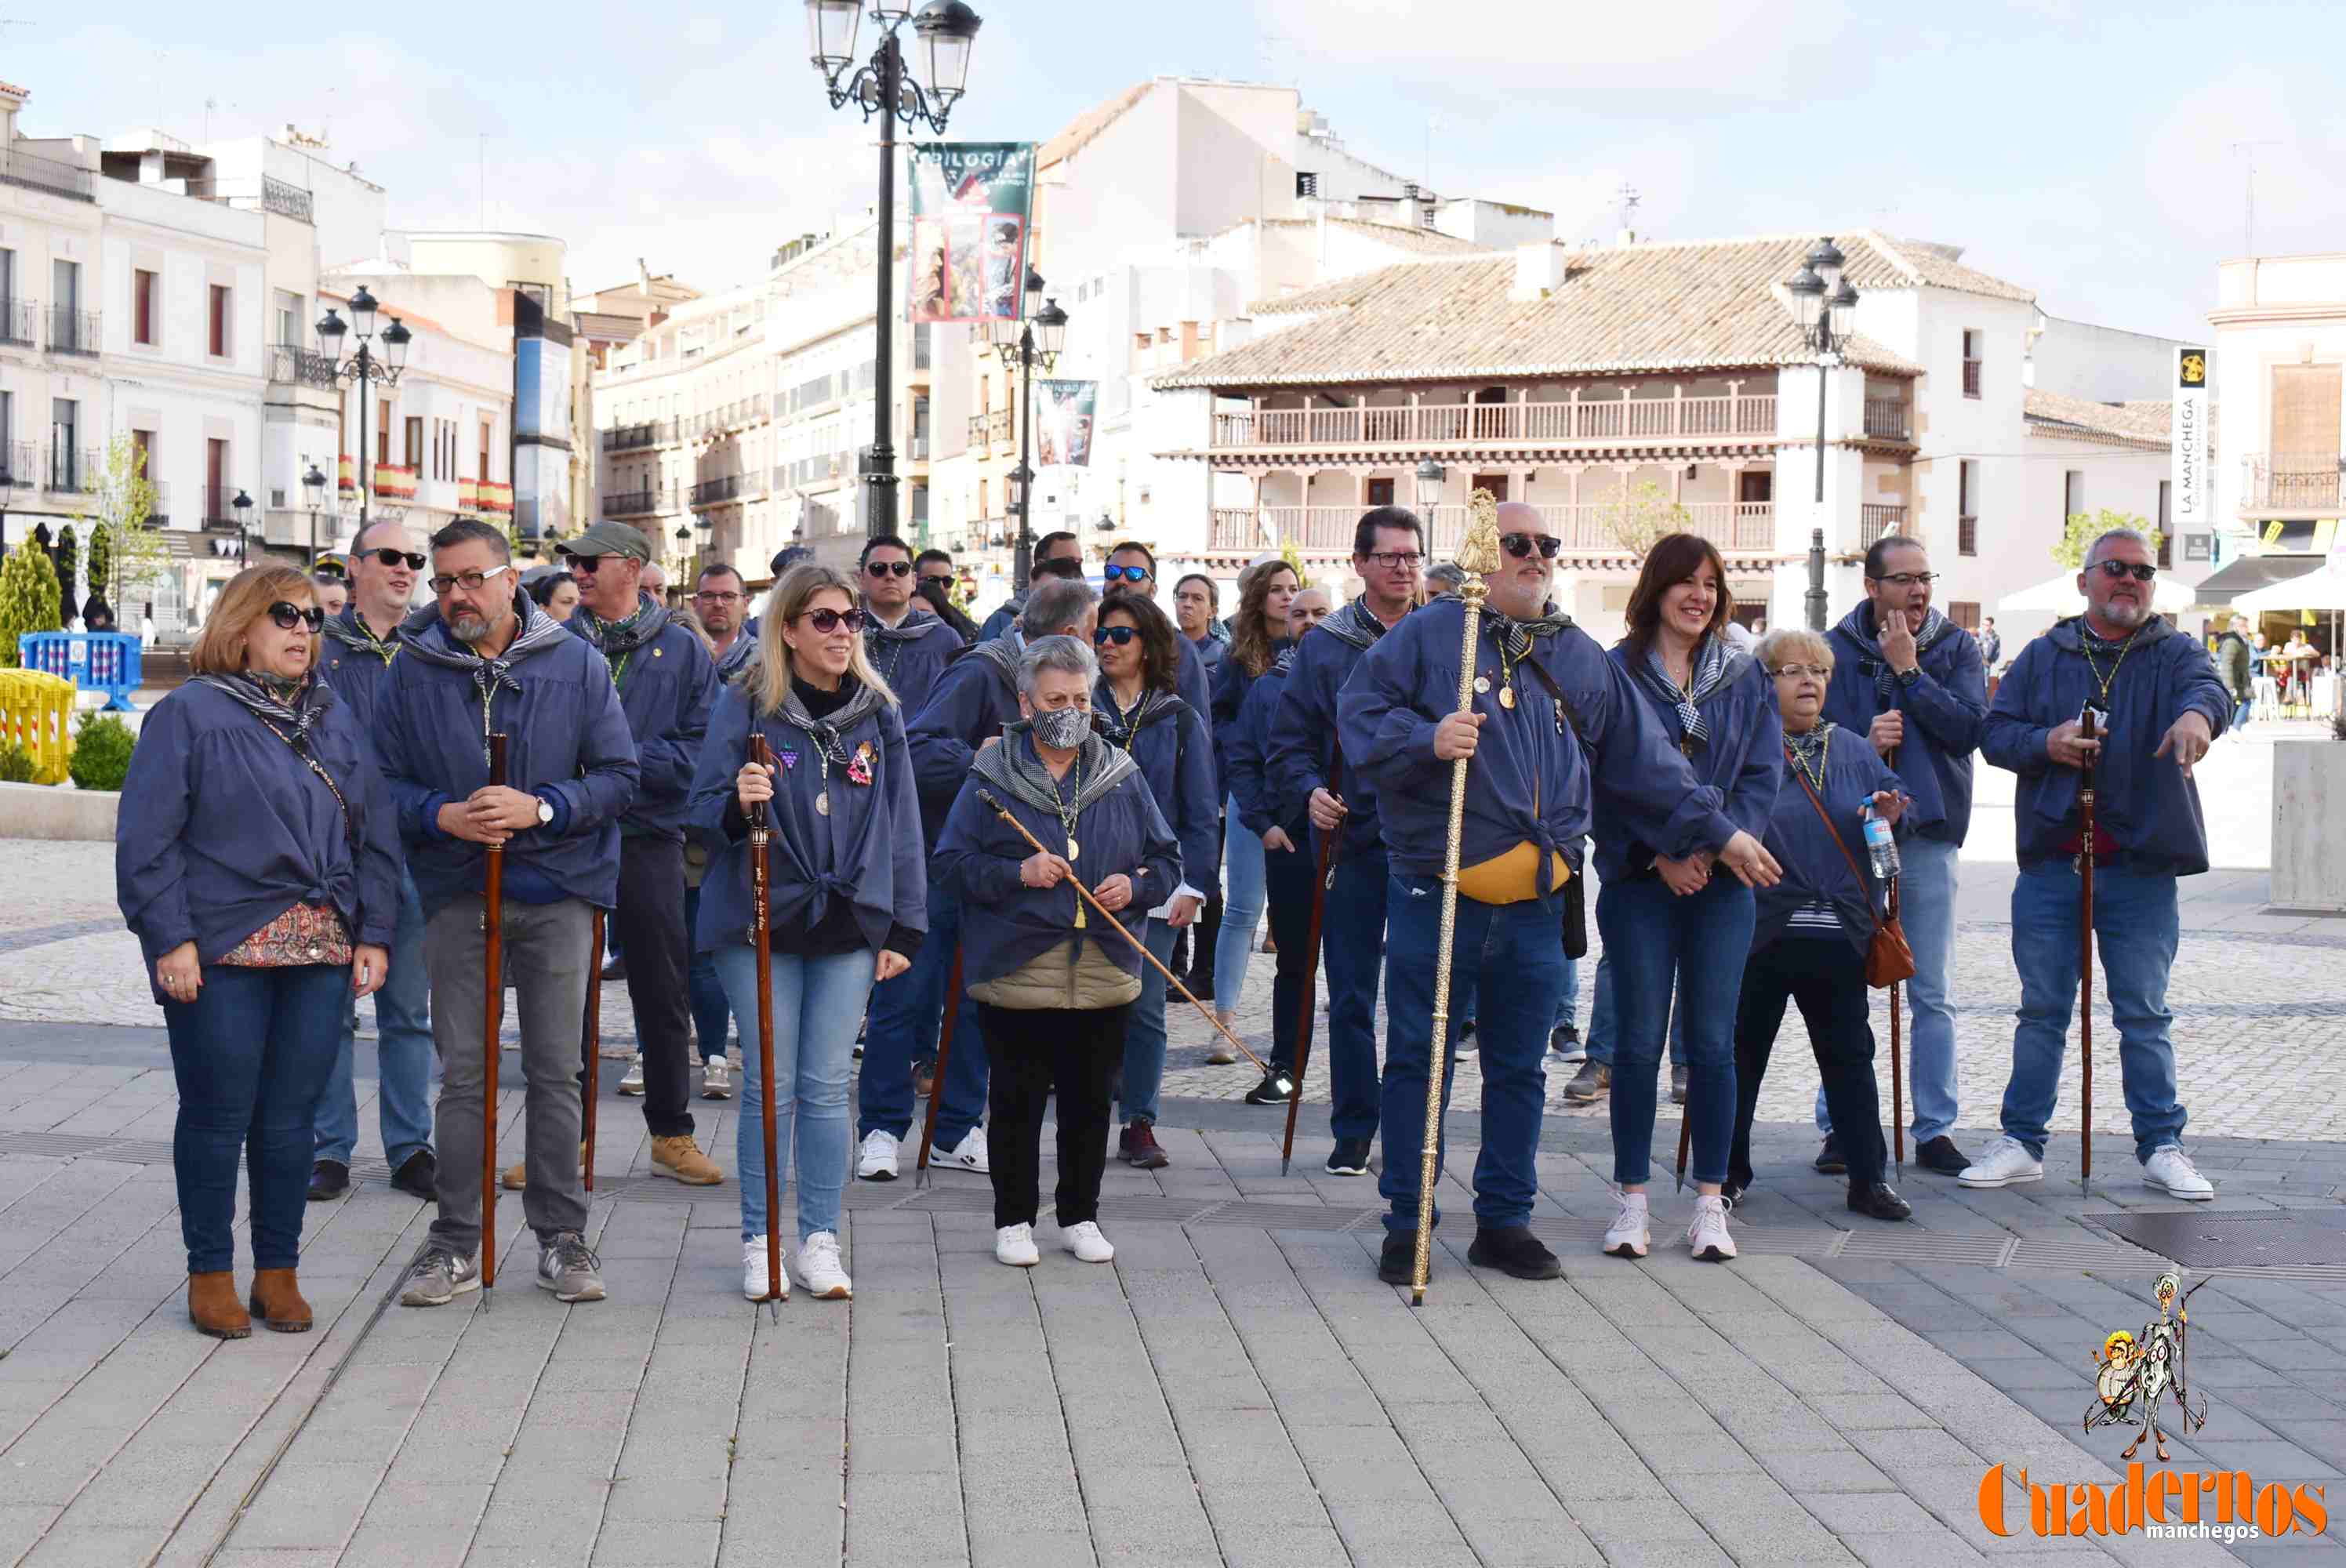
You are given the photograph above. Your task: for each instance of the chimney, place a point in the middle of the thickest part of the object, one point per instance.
(1625, 237)
(1539, 271)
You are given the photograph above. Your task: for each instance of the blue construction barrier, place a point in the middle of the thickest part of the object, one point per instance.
(93, 661)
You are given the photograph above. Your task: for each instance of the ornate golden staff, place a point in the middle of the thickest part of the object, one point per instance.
(1478, 555)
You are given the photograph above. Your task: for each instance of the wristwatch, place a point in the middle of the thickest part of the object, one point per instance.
(545, 811)
(1909, 677)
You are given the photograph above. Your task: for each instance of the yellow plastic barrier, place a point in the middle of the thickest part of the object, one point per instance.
(36, 712)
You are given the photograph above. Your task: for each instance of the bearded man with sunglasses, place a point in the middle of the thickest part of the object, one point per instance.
(908, 645)
(1561, 745)
(362, 642)
(2159, 705)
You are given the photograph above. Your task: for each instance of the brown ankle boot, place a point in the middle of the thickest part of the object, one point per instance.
(213, 1307)
(277, 1301)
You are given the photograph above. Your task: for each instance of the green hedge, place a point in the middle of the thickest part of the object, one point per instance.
(101, 756)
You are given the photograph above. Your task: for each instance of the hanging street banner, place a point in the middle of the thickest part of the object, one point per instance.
(1063, 423)
(972, 204)
(2192, 507)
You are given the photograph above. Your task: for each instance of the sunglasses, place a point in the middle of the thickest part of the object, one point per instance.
(1521, 546)
(889, 569)
(589, 564)
(394, 557)
(1124, 574)
(829, 621)
(288, 616)
(1119, 636)
(2116, 569)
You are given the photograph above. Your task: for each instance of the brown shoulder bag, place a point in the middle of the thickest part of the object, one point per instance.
(1887, 959)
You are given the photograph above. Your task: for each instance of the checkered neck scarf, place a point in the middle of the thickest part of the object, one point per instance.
(1809, 745)
(1515, 636)
(1861, 627)
(1715, 662)
(293, 706)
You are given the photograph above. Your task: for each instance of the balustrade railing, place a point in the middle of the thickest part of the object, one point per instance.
(1732, 526)
(1578, 419)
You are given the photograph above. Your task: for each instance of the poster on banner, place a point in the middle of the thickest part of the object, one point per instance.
(972, 207)
(1063, 423)
(2193, 507)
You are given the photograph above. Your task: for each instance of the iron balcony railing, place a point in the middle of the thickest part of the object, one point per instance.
(637, 502)
(1577, 418)
(20, 464)
(285, 200)
(2292, 482)
(20, 322)
(1877, 521)
(627, 437)
(219, 505)
(73, 331)
(35, 173)
(716, 492)
(73, 470)
(1885, 417)
(301, 367)
(1731, 526)
(159, 515)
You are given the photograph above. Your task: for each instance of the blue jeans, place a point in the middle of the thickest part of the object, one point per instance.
(903, 1029)
(250, 1055)
(1353, 937)
(1144, 1031)
(818, 1001)
(1515, 955)
(711, 1012)
(2134, 919)
(1242, 909)
(1650, 934)
(1927, 912)
(405, 1056)
(2245, 711)
(1567, 1001)
(1603, 1021)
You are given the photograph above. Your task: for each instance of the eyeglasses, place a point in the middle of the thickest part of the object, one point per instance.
(1820, 671)
(288, 616)
(1521, 546)
(706, 598)
(2116, 569)
(1124, 574)
(1908, 580)
(470, 582)
(394, 557)
(1389, 559)
(1119, 636)
(887, 568)
(829, 621)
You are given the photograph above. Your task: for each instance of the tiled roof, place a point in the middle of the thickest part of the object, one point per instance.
(1089, 124)
(2141, 424)
(1400, 236)
(1697, 305)
(1937, 264)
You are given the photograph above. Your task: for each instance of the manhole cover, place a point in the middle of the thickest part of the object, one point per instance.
(2259, 1240)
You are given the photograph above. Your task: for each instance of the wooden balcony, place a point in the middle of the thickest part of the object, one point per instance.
(1578, 419)
(1748, 526)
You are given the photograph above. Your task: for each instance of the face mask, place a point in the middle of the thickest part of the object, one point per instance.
(1062, 729)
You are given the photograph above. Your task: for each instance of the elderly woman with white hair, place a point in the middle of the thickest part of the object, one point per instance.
(1813, 927)
(1054, 989)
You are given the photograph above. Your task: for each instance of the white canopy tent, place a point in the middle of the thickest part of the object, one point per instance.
(2060, 597)
(2323, 589)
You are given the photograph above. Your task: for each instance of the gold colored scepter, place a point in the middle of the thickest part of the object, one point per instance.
(1478, 555)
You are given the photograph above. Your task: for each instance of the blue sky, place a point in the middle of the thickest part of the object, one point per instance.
(2085, 150)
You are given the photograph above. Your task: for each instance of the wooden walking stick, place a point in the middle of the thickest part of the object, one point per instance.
(2087, 721)
(761, 942)
(1478, 555)
(493, 921)
(937, 1072)
(1685, 1139)
(1320, 883)
(592, 1050)
(1142, 948)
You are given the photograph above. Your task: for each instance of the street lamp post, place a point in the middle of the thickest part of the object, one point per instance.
(1827, 308)
(242, 506)
(364, 368)
(1022, 344)
(882, 86)
(313, 490)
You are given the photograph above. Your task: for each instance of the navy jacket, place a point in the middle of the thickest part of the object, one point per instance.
(1010, 924)
(1232, 681)
(567, 743)
(1813, 868)
(1212, 650)
(355, 666)
(223, 827)
(665, 688)
(911, 656)
(1262, 806)
(1946, 715)
(865, 851)
(969, 703)
(2143, 801)
(1610, 760)
(1744, 760)
(1004, 616)
(1177, 759)
(1303, 735)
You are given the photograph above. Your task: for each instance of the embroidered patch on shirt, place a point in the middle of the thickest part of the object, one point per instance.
(788, 756)
(859, 767)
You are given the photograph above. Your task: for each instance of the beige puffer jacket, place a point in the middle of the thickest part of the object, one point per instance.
(1059, 978)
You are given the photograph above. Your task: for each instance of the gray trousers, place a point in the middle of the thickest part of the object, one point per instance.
(545, 966)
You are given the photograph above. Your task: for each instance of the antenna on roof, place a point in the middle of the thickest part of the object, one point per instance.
(2250, 240)
(1626, 200)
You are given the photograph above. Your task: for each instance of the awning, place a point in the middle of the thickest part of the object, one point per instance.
(2248, 573)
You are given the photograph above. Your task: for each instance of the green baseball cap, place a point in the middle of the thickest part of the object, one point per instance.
(609, 538)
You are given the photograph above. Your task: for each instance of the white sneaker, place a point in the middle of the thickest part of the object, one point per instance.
(819, 1270)
(1629, 1234)
(1015, 1244)
(876, 1160)
(715, 1079)
(1218, 1054)
(2170, 1170)
(1707, 1232)
(633, 1084)
(753, 1270)
(1086, 1243)
(969, 1156)
(2008, 1161)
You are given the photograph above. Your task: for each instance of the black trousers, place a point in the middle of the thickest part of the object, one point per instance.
(649, 924)
(1032, 1052)
(1826, 978)
(1287, 885)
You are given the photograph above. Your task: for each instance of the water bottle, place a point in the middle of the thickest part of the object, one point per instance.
(1881, 846)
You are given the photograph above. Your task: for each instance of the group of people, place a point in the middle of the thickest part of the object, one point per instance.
(953, 821)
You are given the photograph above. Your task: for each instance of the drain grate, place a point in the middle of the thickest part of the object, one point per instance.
(2298, 1238)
